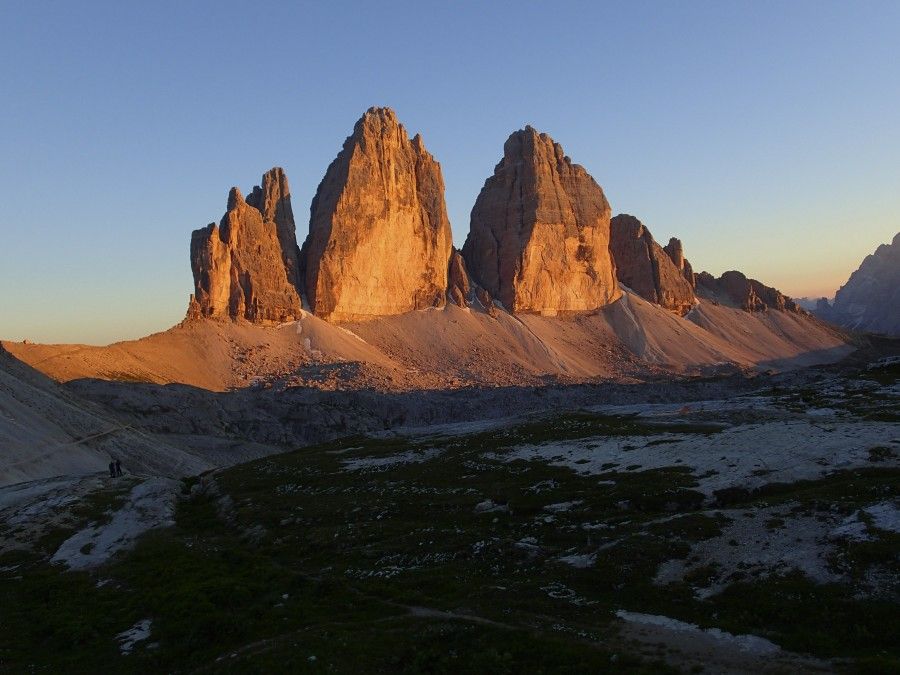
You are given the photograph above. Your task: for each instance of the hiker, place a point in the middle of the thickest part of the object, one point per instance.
(118, 468)
(112, 469)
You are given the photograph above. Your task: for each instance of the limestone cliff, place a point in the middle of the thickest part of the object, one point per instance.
(647, 269)
(379, 237)
(273, 200)
(459, 286)
(246, 266)
(539, 236)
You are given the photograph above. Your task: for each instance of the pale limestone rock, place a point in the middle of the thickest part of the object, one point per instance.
(379, 237)
(648, 270)
(273, 200)
(675, 249)
(245, 267)
(539, 237)
(459, 286)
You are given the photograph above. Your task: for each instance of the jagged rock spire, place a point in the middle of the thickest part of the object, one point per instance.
(246, 267)
(273, 200)
(379, 237)
(675, 250)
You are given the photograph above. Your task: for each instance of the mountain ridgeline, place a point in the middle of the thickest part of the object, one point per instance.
(870, 300)
(542, 240)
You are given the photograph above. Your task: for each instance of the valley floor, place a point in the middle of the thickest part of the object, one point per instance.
(756, 532)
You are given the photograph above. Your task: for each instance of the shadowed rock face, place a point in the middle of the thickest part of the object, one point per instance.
(246, 267)
(748, 294)
(870, 300)
(379, 237)
(539, 237)
(647, 269)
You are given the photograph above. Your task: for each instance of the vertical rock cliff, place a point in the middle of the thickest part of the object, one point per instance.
(647, 269)
(379, 237)
(246, 266)
(273, 200)
(539, 237)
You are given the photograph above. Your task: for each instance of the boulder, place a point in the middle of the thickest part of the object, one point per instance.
(379, 236)
(539, 236)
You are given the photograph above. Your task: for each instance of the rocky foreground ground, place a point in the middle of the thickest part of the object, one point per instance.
(753, 530)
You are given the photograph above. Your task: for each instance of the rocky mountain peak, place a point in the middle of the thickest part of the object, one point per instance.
(675, 249)
(539, 235)
(459, 286)
(377, 122)
(272, 198)
(541, 240)
(245, 268)
(870, 300)
(379, 238)
(235, 199)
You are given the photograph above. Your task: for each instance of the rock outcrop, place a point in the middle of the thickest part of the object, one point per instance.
(246, 266)
(749, 294)
(647, 269)
(379, 237)
(459, 286)
(273, 200)
(539, 237)
(675, 250)
(870, 300)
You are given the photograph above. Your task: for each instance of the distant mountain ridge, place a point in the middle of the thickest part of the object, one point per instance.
(870, 300)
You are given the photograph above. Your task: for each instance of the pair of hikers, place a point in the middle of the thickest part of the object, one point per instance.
(115, 468)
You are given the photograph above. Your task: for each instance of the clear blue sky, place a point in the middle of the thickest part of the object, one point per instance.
(765, 134)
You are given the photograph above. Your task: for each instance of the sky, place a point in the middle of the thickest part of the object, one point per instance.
(766, 135)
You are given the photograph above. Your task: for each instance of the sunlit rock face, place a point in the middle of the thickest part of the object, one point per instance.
(379, 236)
(459, 286)
(246, 267)
(273, 200)
(539, 237)
(647, 269)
